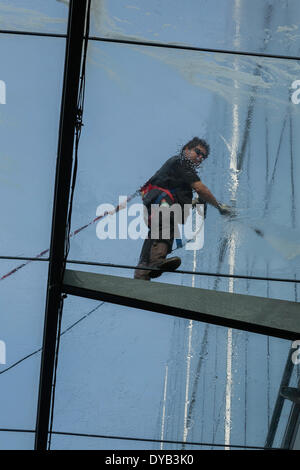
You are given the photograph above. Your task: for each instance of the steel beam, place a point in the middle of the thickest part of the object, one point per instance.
(271, 317)
(74, 44)
(288, 370)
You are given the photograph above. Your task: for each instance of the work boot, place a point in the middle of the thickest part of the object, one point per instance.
(169, 264)
(154, 255)
(158, 253)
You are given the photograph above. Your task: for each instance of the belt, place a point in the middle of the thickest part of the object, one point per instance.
(169, 192)
(148, 187)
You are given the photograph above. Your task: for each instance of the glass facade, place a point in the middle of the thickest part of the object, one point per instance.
(157, 74)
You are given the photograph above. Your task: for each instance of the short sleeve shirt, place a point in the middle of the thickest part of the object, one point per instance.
(177, 174)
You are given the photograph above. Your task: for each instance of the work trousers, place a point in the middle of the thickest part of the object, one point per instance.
(155, 250)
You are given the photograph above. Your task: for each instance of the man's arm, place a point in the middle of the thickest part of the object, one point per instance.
(205, 193)
(207, 196)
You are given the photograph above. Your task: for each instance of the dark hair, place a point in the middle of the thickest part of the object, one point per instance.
(194, 142)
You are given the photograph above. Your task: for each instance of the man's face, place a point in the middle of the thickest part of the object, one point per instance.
(196, 154)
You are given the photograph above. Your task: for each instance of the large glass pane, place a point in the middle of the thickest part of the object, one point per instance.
(31, 79)
(65, 442)
(143, 104)
(22, 306)
(125, 372)
(269, 26)
(59, 442)
(16, 440)
(34, 15)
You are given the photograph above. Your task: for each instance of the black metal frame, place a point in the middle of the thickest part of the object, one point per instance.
(292, 428)
(74, 45)
(279, 401)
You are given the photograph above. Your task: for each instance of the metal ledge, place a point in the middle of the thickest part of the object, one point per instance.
(279, 318)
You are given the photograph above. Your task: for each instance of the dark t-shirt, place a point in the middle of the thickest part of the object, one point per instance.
(177, 174)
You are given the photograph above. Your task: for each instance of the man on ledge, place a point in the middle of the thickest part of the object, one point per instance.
(172, 184)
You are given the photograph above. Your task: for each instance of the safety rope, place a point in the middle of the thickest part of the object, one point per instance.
(72, 234)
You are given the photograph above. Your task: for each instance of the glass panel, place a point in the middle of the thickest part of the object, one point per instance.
(59, 442)
(249, 25)
(16, 441)
(29, 128)
(143, 104)
(22, 305)
(126, 372)
(34, 15)
(89, 443)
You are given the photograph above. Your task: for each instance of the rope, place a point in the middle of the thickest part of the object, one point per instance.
(72, 234)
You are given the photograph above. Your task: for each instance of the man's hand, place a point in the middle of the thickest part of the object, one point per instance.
(206, 195)
(226, 210)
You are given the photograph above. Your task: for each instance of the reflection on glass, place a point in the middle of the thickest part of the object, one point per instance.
(251, 25)
(35, 15)
(129, 373)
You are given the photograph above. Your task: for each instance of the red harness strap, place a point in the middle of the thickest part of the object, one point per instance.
(145, 189)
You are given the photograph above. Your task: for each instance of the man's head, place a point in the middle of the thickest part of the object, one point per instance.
(196, 150)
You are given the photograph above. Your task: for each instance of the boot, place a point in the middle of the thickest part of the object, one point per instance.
(154, 255)
(158, 253)
(169, 264)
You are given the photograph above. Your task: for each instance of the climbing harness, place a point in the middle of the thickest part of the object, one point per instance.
(164, 192)
(161, 199)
